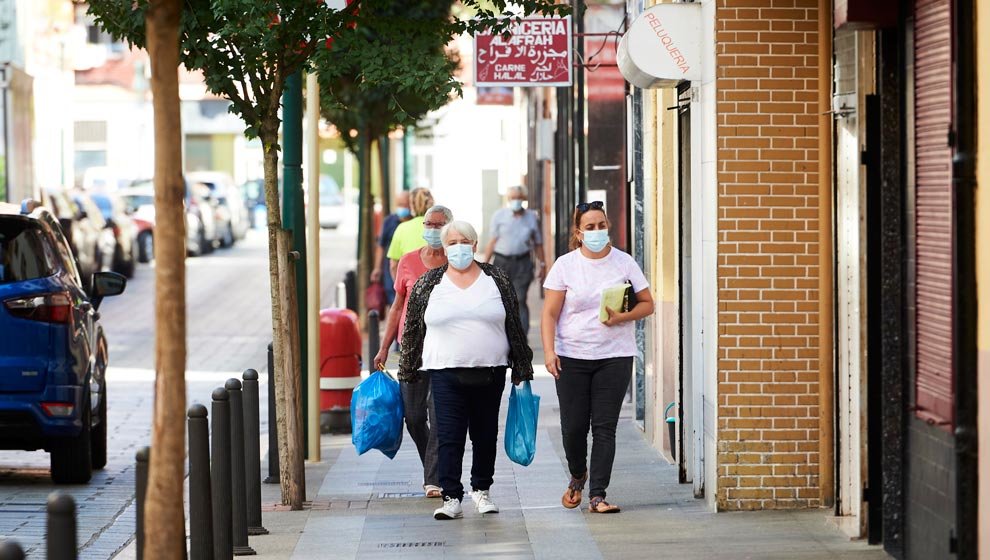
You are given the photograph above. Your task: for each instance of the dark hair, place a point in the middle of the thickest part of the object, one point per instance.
(576, 221)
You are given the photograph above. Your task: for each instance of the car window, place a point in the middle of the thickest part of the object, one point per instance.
(62, 248)
(24, 252)
(105, 205)
(135, 201)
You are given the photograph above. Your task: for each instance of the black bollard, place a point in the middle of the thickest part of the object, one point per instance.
(273, 471)
(223, 547)
(10, 550)
(238, 490)
(141, 459)
(374, 339)
(252, 452)
(61, 532)
(350, 281)
(200, 499)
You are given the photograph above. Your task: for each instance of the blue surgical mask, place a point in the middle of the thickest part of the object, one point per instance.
(402, 212)
(515, 205)
(460, 256)
(432, 237)
(595, 240)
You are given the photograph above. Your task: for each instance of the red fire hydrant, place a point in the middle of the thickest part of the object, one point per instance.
(340, 368)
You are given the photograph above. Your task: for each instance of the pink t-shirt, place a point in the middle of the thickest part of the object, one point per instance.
(411, 267)
(580, 334)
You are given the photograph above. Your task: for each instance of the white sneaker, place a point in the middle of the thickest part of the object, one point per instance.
(484, 502)
(451, 509)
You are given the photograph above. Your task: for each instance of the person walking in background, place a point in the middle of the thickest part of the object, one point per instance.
(417, 400)
(408, 235)
(382, 272)
(463, 329)
(591, 360)
(515, 237)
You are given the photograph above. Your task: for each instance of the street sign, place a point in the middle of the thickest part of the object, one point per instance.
(536, 53)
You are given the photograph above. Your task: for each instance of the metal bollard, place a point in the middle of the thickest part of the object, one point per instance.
(252, 452)
(374, 339)
(10, 550)
(273, 472)
(141, 459)
(61, 531)
(200, 500)
(238, 490)
(350, 281)
(223, 547)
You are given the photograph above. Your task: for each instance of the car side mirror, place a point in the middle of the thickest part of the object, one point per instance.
(106, 284)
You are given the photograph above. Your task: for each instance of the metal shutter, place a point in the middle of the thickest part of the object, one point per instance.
(935, 213)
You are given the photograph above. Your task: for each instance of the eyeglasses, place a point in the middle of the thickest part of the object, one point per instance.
(594, 205)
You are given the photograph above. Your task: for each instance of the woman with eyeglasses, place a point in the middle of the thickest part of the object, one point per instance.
(463, 331)
(591, 360)
(416, 401)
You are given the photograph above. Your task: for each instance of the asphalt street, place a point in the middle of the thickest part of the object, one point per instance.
(229, 328)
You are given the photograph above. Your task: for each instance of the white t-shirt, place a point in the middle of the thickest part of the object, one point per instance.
(465, 328)
(579, 332)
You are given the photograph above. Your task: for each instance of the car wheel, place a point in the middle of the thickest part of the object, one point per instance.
(228, 237)
(204, 244)
(99, 435)
(146, 247)
(72, 458)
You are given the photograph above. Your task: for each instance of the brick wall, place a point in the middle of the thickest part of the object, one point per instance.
(767, 253)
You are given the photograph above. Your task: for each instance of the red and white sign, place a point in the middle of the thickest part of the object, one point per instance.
(536, 53)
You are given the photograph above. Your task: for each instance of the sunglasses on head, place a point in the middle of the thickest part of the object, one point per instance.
(594, 205)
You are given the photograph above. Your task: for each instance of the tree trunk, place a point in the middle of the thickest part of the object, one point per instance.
(164, 517)
(285, 332)
(385, 160)
(366, 234)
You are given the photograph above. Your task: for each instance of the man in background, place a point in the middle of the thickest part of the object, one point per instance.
(382, 271)
(515, 239)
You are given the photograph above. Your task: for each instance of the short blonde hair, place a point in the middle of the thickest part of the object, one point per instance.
(461, 227)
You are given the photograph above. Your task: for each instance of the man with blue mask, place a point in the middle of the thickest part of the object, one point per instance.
(515, 240)
(381, 272)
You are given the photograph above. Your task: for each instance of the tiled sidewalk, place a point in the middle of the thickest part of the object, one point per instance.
(371, 507)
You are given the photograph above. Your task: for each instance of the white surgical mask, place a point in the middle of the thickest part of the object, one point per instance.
(515, 205)
(460, 256)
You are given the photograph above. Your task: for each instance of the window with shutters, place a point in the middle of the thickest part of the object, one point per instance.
(934, 212)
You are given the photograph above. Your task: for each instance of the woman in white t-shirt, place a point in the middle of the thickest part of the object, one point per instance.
(590, 360)
(463, 330)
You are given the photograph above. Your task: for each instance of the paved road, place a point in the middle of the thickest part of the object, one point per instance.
(229, 327)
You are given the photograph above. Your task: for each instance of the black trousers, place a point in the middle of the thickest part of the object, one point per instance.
(466, 400)
(520, 271)
(590, 393)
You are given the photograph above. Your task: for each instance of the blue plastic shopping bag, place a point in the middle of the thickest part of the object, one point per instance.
(376, 415)
(520, 425)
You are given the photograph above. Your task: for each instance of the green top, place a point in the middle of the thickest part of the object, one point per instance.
(407, 237)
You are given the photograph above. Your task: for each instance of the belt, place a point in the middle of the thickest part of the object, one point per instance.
(518, 257)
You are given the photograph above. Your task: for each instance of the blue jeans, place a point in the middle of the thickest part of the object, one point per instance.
(467, 401)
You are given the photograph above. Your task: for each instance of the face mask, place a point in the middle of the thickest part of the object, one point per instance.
(595, 240)
(402, 212)
(432, 237)
(515, 205)
(460, 256)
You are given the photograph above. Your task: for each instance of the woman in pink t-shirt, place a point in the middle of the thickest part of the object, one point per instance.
(416, 401)
(590, 360)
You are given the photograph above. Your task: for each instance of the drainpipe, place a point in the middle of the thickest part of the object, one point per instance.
(826, 376)
(964, 190)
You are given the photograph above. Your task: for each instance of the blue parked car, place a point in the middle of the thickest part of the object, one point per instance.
(53, 354)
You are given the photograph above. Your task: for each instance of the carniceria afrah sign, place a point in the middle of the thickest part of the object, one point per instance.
(535, 53)
(662, 46)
